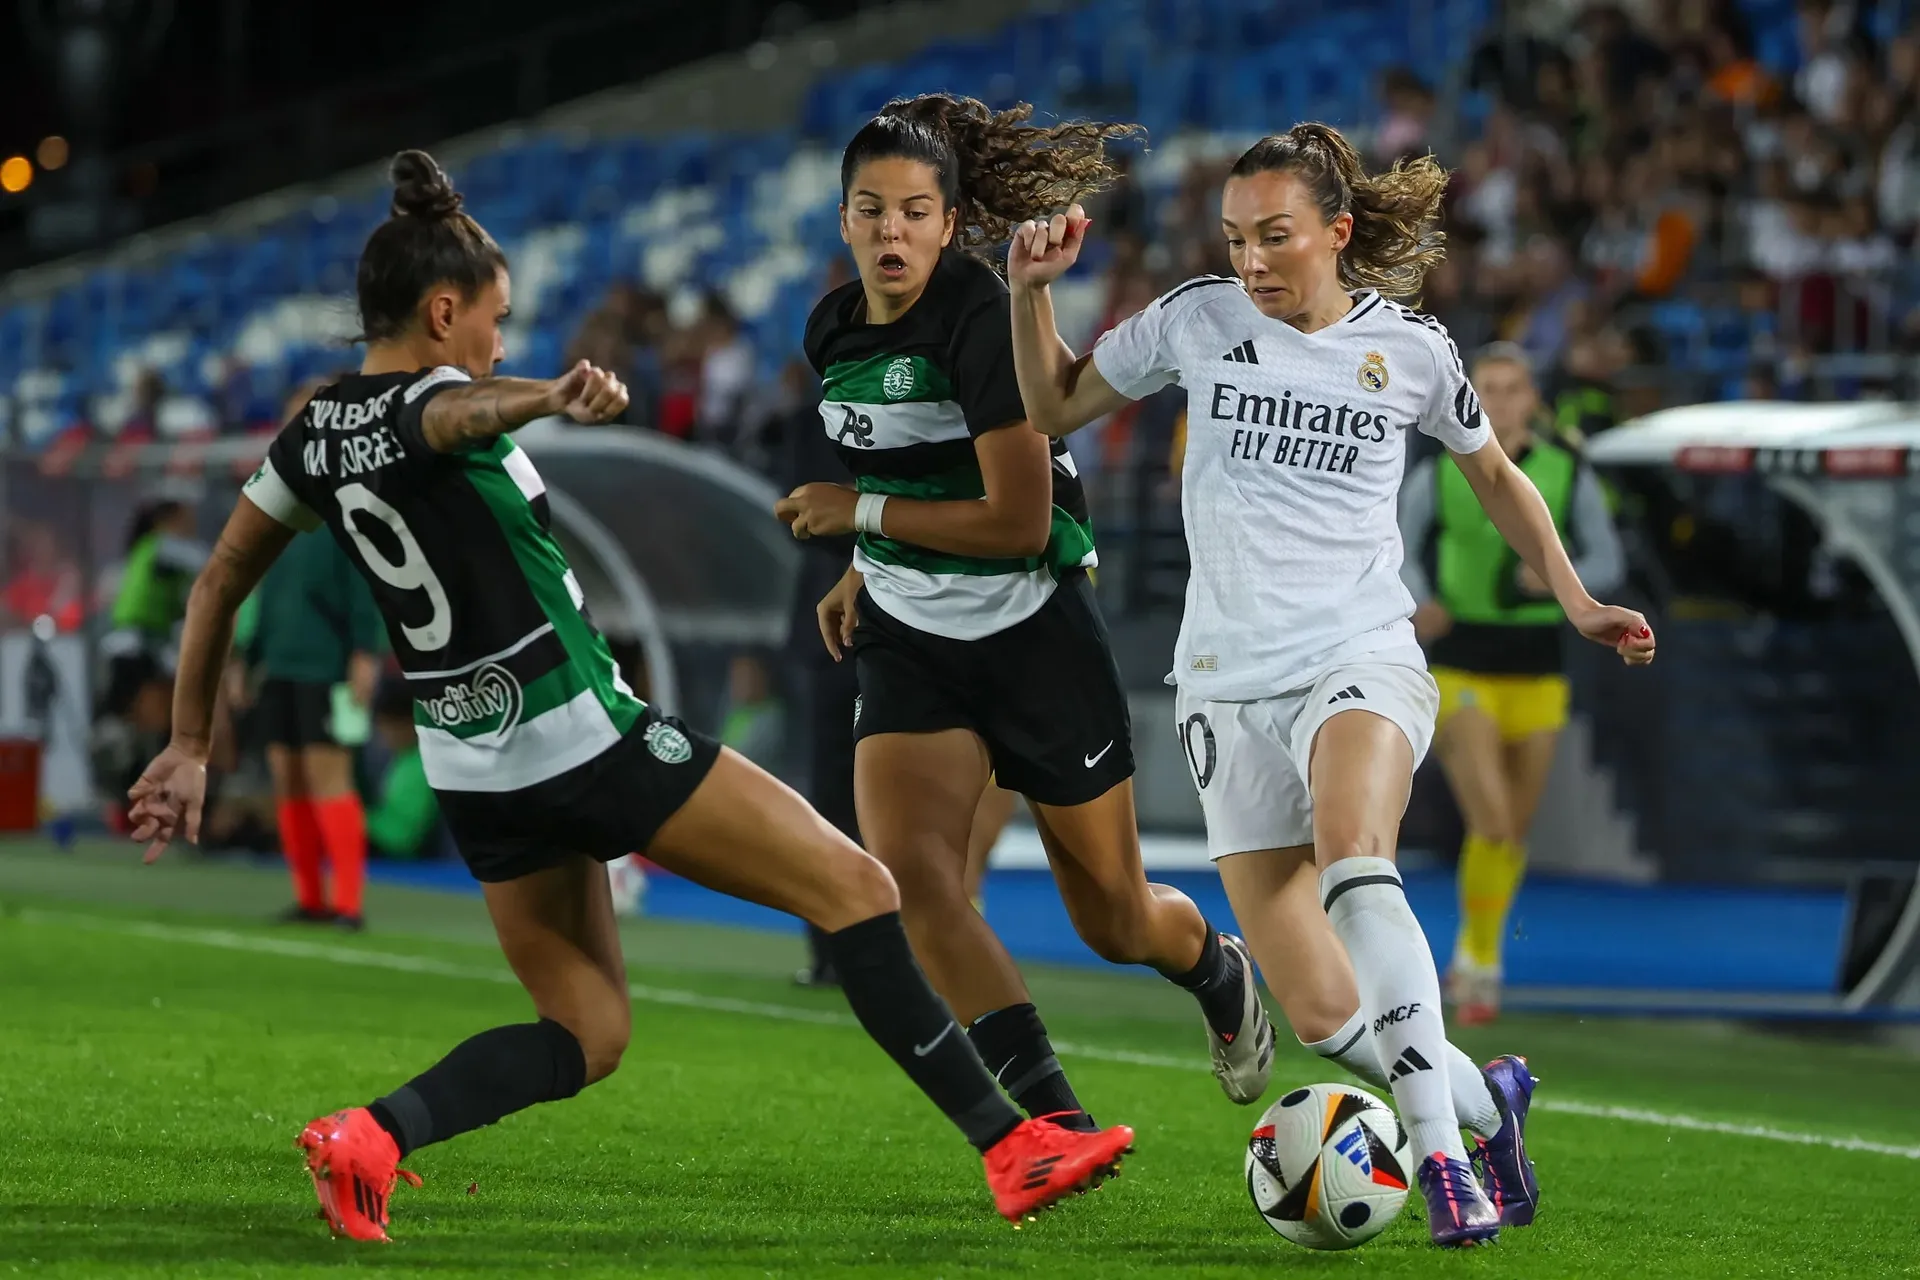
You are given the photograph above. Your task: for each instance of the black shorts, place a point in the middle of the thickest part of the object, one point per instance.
(295, 713)
(609, 807)
(1044, 695)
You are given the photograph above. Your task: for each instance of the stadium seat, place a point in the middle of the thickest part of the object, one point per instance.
(756, 214)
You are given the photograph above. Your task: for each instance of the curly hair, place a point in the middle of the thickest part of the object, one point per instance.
(1396, 214)
(996, 169)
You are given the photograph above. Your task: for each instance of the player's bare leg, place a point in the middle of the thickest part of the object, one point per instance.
(917, 795)
(990, 820)
(1094, 850)
(1276, 898)
(1359, 776)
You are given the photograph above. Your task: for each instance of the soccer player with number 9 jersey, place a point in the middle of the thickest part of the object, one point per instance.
(545, 763)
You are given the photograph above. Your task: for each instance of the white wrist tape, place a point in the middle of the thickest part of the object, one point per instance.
(866, 512)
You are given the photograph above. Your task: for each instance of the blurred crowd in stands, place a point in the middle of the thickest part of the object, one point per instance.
(1637, 201)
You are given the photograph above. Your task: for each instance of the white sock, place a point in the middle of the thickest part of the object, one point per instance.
(1356, 1051)
(1472, 1097)
(1399, 995)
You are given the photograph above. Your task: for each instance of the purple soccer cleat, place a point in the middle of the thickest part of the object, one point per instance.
(1501, 1161)
(1459, 1215)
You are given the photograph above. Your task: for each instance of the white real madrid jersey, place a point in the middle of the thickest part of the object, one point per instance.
(1296, 443)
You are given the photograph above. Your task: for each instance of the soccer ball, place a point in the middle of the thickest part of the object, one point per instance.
(628, 880)
(1327, 1166)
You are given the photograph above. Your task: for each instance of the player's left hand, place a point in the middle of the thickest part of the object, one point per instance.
(1623, 630)
(818, 510)
(167, 800)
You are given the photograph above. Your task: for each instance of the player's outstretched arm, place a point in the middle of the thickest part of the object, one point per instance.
(475, 414)
(1520, 513)
(167, 799)
(1062, 392)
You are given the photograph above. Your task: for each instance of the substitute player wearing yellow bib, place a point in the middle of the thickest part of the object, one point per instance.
(1492, 631)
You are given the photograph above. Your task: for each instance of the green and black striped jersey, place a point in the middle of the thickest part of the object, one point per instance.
(512, 685)
(902, 403)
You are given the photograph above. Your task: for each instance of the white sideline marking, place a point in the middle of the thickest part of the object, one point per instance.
(398, 962)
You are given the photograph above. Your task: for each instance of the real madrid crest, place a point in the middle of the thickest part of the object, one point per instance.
(897, 382)
(1373, 372)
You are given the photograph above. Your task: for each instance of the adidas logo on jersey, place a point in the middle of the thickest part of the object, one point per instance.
(1243, 354)
(1351, 691)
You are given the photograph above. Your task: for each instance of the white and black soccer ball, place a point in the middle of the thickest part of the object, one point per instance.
(1328, 1166)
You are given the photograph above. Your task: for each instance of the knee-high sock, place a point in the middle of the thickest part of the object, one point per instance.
(1013, 1044)
(1490, 874)
(894, 1002)
(343, 829)
(1354, 1048)
(1399, 994)
(493, 1074)
(300, 838)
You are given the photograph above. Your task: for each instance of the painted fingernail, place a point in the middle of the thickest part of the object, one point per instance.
(1645, 631)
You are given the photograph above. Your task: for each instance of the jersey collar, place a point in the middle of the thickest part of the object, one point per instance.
(1363, 304)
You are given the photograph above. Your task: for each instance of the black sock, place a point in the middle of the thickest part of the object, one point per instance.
(1013, 1043)
(893, 1001)
(1216, 983)
(494, 1074)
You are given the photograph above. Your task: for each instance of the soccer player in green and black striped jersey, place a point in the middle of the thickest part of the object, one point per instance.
(544, 762)
(978, 646)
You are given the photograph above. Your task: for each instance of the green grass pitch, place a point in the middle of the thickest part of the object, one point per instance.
(159, 1048)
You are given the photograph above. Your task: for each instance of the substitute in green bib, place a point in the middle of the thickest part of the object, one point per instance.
(1493, 632)
(132, 713)
(316, 648)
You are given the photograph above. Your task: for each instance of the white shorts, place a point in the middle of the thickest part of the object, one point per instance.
(1249, 759)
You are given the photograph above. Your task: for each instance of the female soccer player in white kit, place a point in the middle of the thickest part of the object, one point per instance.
(1302, 378)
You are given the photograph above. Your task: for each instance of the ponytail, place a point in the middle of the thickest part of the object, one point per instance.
(1396, 236)
(995, 168)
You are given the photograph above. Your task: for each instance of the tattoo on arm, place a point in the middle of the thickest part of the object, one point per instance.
(478, 413)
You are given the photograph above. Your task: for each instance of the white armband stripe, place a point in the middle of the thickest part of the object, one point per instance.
(267, 491)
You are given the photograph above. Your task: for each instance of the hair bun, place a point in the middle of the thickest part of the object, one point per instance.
(421, 188)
